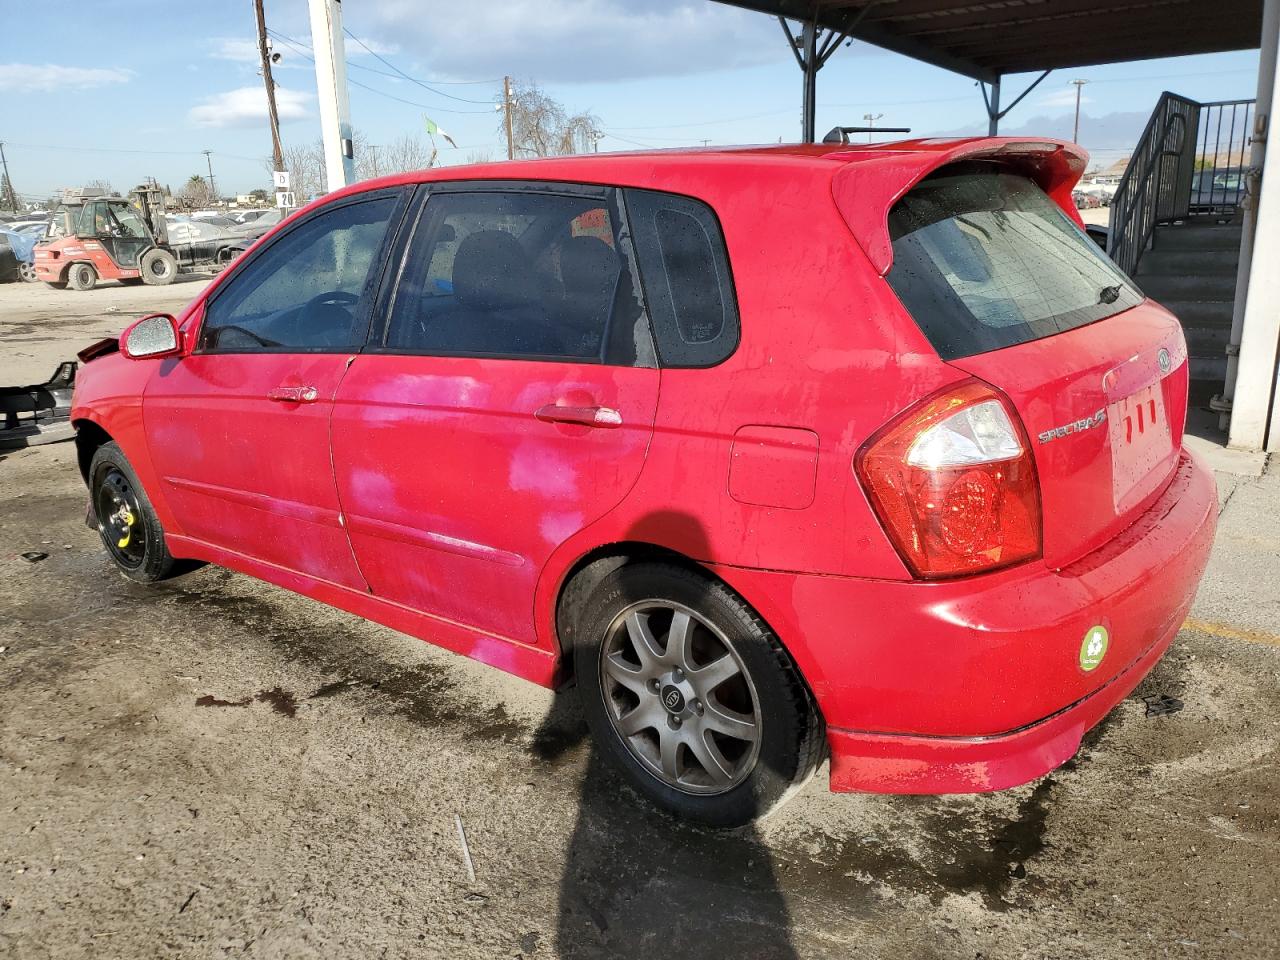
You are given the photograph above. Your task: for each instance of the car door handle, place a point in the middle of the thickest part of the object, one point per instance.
(586, 416)
(293, 394)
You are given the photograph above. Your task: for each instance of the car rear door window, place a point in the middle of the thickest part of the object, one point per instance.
(687, 282)
(983, 260)
(305, 292)
(522, 275)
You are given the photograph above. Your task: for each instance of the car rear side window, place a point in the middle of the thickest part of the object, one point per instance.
(685, 273)
(983, 260)
(519, 274)
(305, 291)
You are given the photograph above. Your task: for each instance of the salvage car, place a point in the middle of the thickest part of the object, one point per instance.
(778, 454)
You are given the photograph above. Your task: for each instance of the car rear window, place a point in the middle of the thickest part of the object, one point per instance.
(983, 259)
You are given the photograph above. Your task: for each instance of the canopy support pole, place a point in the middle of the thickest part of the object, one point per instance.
(812, 48)
(994, 113)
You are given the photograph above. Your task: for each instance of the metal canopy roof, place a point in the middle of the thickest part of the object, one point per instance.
(986, 40)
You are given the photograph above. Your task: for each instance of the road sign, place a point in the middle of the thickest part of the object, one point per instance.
(281, 178)
(285, 200)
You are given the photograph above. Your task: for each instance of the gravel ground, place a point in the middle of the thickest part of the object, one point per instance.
(215, 767)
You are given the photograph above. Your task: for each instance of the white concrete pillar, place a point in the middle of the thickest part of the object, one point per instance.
(331, 92)
(1254, 396)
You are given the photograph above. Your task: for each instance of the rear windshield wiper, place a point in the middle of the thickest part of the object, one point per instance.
(1109, 294)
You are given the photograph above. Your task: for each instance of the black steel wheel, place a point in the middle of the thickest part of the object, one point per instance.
(691, 696)
(128, 525)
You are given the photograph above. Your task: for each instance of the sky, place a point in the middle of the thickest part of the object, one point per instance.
(123, 93)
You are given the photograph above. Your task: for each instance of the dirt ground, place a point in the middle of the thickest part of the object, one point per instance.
(215, 767)
(40, 327)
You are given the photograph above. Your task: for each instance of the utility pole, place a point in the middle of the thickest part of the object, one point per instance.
(331, 90)
(871, 119)
(1079, 84)
(8, 193)
(506, 109)
(264, 50)
(213, 191)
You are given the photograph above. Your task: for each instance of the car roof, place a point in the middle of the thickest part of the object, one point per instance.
(650, 167)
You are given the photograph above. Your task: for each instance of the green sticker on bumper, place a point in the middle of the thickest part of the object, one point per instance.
(1094, 647)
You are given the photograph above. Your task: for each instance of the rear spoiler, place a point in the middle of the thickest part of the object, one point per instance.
(865, 191)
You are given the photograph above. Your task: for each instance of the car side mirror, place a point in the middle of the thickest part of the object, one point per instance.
(153, 336)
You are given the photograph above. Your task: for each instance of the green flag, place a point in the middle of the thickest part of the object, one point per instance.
(433, 128)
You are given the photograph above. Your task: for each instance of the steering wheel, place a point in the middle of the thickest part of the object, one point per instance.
(320, 308)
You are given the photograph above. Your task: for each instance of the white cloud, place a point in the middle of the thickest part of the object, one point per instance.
(51, 77)
(247, 106)
(575, 40)
(234, 48)
(1063, 98)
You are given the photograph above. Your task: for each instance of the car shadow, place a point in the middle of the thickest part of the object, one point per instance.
(637, 881)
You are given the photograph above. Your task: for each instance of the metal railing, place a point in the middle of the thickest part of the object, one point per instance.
(1182, 165)
(1222, 156)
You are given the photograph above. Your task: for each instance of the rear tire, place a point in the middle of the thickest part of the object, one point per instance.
(28, 272)
(714, 723)
(127, 523)
(81, 276)
(159, 268)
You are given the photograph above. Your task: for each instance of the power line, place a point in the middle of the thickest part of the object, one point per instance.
(381, 93)
(406, 76)
(164, 153)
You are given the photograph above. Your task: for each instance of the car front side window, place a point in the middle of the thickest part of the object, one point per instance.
(305, 291)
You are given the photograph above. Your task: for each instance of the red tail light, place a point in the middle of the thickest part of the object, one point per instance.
(954, 484)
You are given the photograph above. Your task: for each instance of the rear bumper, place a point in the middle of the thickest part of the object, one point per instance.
(977, 684)
(885, 763)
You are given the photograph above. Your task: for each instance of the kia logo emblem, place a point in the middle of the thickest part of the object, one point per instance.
(672, 698)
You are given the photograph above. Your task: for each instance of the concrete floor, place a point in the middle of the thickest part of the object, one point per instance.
(215, 767)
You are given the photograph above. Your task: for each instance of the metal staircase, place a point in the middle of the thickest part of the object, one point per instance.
(1174, 219)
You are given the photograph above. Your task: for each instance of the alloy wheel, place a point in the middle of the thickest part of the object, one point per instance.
(680, 698)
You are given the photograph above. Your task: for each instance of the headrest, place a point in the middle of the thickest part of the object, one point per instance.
(490, 269)
(587, 263)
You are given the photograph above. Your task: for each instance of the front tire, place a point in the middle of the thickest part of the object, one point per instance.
(159, 268)
(692, 697)
(127, 523)
(28, 272)
(81, 276)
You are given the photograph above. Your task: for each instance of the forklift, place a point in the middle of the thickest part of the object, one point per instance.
(94, 237)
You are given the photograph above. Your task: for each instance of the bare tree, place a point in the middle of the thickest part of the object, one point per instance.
(195, 192)
(410, 153)
(542, 127)
(479, 156)
(305, 164)
(103, 185)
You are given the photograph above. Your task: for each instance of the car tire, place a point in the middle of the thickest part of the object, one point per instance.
(130, 530)
(81, 276)
(28, 272)
(664, 719)
(159, 268)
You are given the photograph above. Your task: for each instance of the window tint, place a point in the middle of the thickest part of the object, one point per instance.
(685, 272)
(304, 291)
(518, 274)
(984, 260)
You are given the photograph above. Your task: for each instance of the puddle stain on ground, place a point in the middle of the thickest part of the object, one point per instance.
(281, 701)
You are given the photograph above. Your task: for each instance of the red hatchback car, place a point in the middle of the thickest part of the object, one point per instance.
(779, 453)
